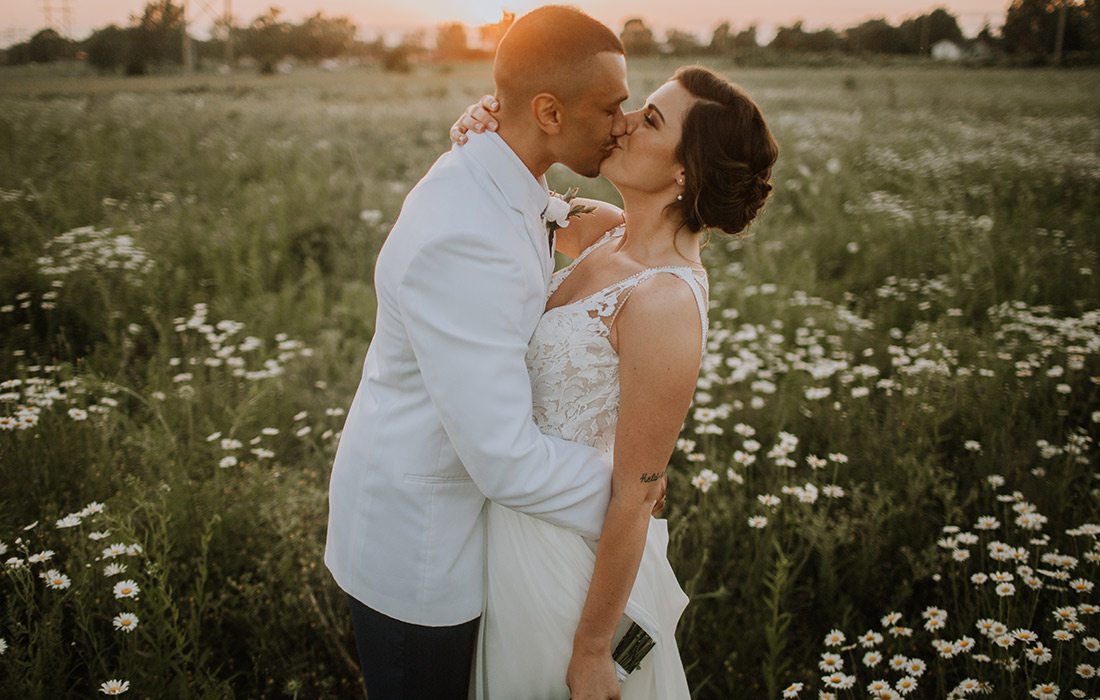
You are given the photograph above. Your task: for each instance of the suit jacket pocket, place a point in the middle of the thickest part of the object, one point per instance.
(438, 479)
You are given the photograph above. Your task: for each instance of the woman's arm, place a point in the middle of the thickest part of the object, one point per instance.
(659, 354)
(584, 229)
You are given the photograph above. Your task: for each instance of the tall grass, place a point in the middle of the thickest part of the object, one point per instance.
(912, 316)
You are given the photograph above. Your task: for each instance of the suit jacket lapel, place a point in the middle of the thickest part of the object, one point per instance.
(519, 188)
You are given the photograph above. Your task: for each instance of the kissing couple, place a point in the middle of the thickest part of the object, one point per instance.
(492, 500)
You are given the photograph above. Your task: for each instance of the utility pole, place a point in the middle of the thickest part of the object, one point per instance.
(229, 33)
(65, 28)
(67, 19)
(1060, 37)
(188, 61)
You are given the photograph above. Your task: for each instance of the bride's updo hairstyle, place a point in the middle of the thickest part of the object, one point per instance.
(727, 152)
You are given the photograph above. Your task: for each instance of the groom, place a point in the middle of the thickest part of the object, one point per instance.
(442, 417)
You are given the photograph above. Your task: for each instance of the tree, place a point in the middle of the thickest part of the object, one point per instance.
(875, 36)
(682, 43)
(108, 48)
(490, 34)
(46, 46)
(320, 37)
(638, 39)
(795, 38)
(157, 36)
(919, 34)
(266, 39)
(746, 38)
(450, 41)
(721, 40)
(1031, 27)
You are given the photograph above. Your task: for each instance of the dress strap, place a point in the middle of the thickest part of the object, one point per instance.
(568, 269)
(687, 274)
(607, 235)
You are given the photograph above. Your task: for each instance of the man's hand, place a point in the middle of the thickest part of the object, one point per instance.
(478, 117)
(591, 676)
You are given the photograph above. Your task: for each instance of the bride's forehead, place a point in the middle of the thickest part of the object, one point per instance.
(668, 92)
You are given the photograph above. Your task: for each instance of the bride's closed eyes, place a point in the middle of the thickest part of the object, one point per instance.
(650, 110)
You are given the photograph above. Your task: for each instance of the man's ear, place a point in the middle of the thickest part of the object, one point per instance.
(548, 113)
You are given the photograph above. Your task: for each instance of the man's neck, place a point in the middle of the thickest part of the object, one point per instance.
(525, 145)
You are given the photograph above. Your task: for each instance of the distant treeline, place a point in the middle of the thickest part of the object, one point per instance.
(1034, 32)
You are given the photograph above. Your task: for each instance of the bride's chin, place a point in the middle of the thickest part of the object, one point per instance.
(608, 172)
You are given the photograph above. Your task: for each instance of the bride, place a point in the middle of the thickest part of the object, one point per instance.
(620, 376)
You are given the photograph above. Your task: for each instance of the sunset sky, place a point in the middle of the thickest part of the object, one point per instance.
(19, 19)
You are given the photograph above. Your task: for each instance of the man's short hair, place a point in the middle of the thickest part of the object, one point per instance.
(549, 50)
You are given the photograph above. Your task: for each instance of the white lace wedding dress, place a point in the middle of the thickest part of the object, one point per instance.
(538, 573)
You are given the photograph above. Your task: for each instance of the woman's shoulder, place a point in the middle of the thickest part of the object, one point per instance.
(670, 299)
(586, 229)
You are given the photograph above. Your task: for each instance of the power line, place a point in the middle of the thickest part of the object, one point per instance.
(64, 9)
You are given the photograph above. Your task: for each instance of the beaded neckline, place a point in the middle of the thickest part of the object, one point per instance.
(613, 233)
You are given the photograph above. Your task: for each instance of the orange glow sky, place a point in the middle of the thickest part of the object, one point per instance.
(20, 18)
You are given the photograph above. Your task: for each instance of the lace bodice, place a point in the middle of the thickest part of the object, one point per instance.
(574, 370)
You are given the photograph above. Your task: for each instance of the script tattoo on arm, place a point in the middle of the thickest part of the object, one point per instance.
(650, 477)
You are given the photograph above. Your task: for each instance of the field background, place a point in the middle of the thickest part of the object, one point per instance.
(916, 310)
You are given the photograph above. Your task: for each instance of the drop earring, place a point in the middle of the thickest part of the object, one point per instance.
(680, 197)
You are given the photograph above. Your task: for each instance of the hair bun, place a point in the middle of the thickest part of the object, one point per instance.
(727, 151)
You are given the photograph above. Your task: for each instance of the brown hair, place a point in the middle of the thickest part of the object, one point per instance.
(727, 152)
(546, 50)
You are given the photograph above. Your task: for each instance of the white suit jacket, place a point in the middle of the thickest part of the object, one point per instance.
(442, 417)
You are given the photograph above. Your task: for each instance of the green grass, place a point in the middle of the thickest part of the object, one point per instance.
(932, 244)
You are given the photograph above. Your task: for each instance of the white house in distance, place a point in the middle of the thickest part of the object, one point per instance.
(946, 50)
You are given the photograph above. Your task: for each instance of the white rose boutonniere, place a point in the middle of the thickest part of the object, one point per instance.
(559, 210)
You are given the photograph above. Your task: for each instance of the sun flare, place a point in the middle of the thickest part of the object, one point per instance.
(478, 12)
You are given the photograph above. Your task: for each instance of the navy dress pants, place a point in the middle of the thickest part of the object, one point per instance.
(403, 661)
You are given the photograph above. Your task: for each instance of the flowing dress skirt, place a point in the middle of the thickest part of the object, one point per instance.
(537, 581)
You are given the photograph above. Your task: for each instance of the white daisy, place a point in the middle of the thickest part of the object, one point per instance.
(114, 687)
(967, 686)
(126, 589)
(56, 580)
(830, 662)
(870, 638)
(70, 520)
(906, 685)
(125, 622)
(834, 638)
(898, 662)
(44, 555)
(1038, 654)
(877, 686)
(1045, 691)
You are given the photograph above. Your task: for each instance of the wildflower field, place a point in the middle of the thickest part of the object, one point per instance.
(887, 486)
